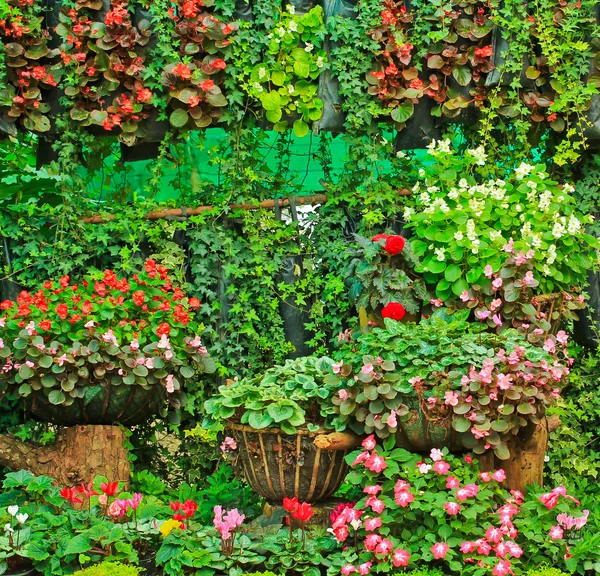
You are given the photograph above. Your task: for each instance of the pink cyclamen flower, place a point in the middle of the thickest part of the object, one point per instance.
(556, 533)
(441, 467)
(482, 314)
(369, 442)
(452, 508)
(497, 320)
(400, 558)
(376, 463)
(348, 569)
(439, 550)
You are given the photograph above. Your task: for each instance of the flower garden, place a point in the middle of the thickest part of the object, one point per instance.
(306, 288)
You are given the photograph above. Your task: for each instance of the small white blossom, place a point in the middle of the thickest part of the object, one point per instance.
(523, 170)
(400, 154)
(309, 47)
(12, 510)
(293, 27)
(478, 155)
(320, 62)
(290, 8)
(458, 236)
(440, 254)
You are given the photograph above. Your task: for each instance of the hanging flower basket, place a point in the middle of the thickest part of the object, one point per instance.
(302, 465)
(101, 404)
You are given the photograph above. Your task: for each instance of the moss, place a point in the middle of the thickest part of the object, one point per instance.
(109, 569)
(545, 570)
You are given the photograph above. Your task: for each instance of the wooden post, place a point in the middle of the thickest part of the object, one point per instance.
(79, 454)
(526, 463)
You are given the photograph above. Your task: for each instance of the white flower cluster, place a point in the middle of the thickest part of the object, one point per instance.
(437, 147)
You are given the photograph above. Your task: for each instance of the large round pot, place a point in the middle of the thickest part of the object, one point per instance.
(105, 404)
(279, 465)
(419, 433)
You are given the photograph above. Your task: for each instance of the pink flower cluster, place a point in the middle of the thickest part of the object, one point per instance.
(227, 523)
(369, 457)
(550, 499)
(119, 507)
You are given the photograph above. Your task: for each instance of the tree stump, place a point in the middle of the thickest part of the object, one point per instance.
(79, 454)
(526, 463)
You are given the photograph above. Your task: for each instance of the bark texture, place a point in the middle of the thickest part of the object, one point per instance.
(79, 454)
(526, 463)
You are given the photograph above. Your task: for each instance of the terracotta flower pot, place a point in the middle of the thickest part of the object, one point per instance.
(279, 465)
(125, 404)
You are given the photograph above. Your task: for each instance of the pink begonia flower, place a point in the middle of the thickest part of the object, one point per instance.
(493, 534)
(164, 342)
(495, 304)
(228, 444)
(556, 533)
(423, 468)
(373, 490)
(360, 459)
(508, 247)
(364, 568)
(336, 367)
(504, 381)
(452, 508)
(169, 384)
(452, 482)
(450, 398)
(375, 504)
(465, 296)
(441, 467)
(343, 394)
(371, 541)
(440, 550)
(488, 271)
(367, 369)
(497, 283)
(384, 547)
(400, 558)
(376, 463)
(482, 314)
(391, 421)
(485, 476)
(479, 433)
(371, 524)
(348, 569)
(499, 475)
(404, 498)
(436, 302)
(432, 400)
(369, 442)
(529, 279)
(467, 547)
(89, 324)
(550, 346)
(483, 547)
(502, 568)
(436, 454)
(562, 337)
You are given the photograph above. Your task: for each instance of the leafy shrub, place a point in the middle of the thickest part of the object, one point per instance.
(545, 570)
(109, 568)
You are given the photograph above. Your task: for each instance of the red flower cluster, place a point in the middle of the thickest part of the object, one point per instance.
(298, 510)
(393, 310)
(183, 512)
(393, 244)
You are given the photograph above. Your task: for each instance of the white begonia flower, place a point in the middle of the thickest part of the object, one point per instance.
(453, 194)
(551, 254)
(258, 87)
(281, 31)
(558, 231)
(421, 172)
(458, 236)
(290, 8)
(424, 197)
(462, 183)
(519, 208)
(309, 47)
(478, 155)
(22, 518)
(536, 241)
(523, 170)
(12, 510)
(568, 188)
(262, 72)
(526, 229)
(408, 212)
(574, 226)
(400, 154)
(531, 184)
(546, 270)
(290, 89)
(292, 26)
(320, 62)
(496, 235)
(432, 189)
(545, 200)
(440, 254)
(444, 146)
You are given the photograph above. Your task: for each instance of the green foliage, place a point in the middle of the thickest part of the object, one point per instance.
(545, 570)
(285, 397)
(109, 568)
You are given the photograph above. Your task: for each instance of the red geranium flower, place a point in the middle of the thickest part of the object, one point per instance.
(394, 245)
(393, 310)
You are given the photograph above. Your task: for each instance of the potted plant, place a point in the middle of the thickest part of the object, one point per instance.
(104, 350)
(279, 423)
(446, 382)
(382, 280)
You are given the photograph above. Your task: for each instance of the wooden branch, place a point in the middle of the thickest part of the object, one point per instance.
(553, 422)
(178, 212)
(79, 454)
(337, 441)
